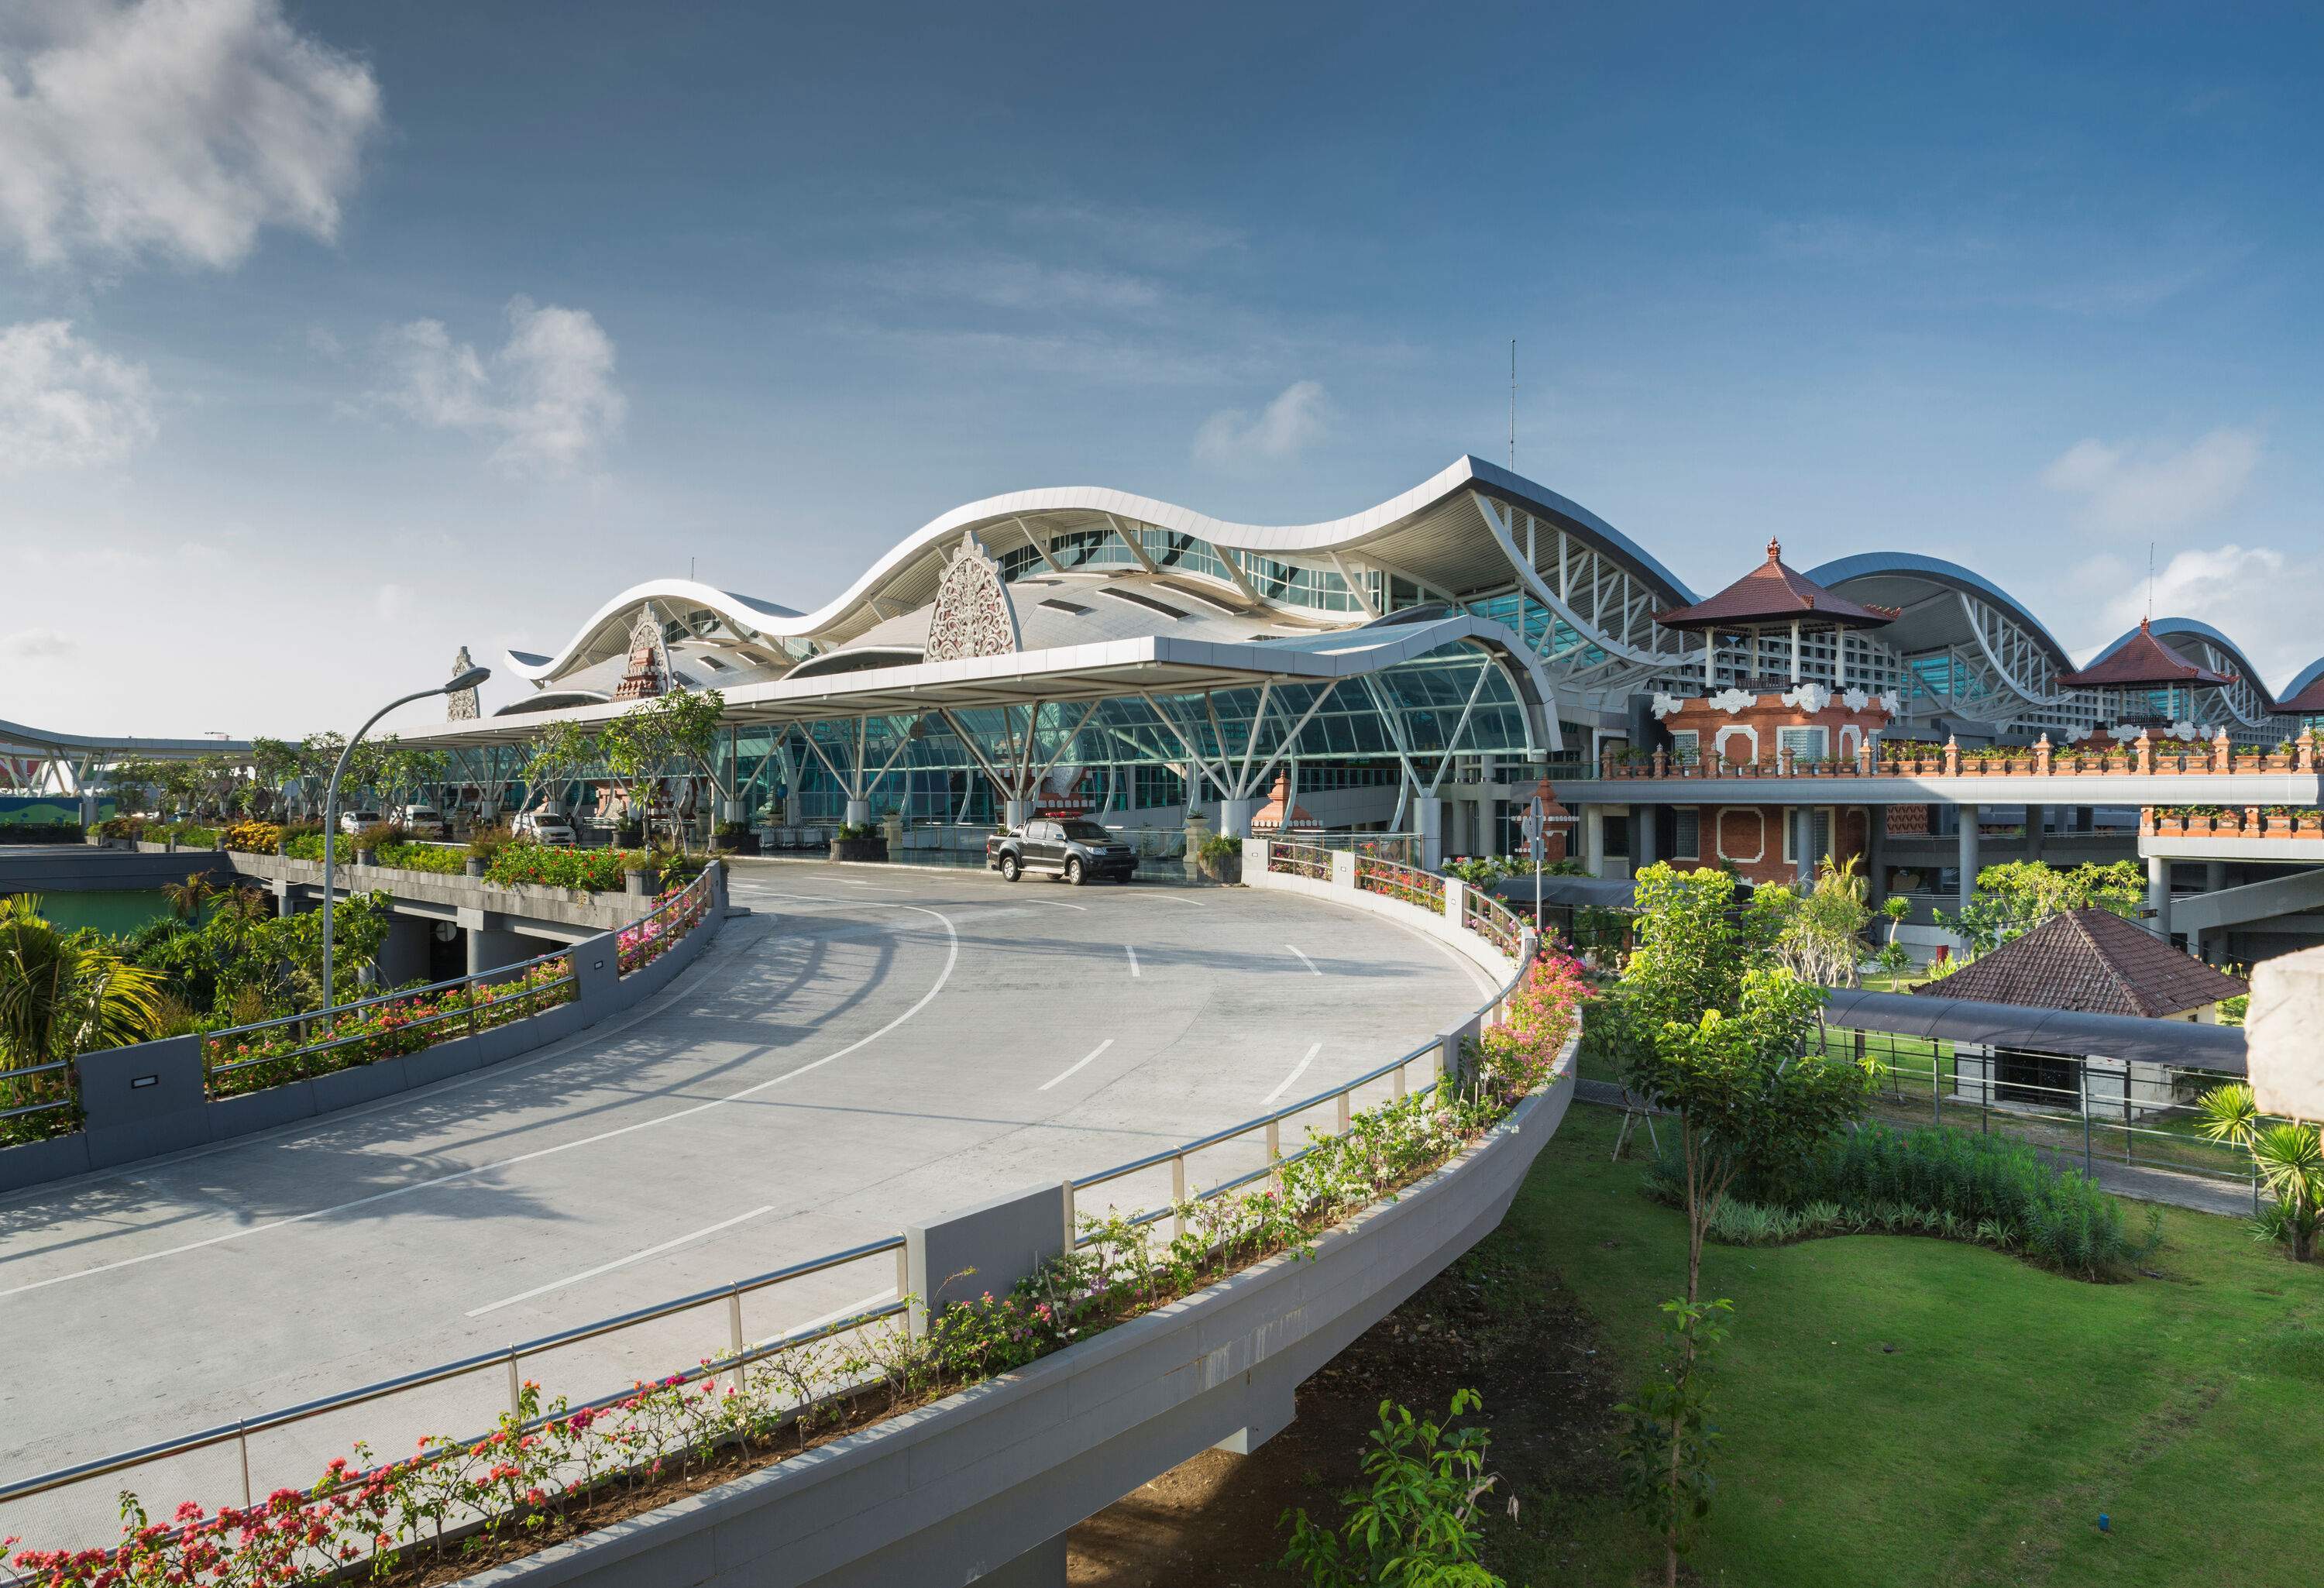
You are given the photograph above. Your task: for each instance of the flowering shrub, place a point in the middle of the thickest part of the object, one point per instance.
(641, 945)
(598, 871)
(299, 1050)
(468, 1502)
(1422, 888)
(254, 837)
(423, 857)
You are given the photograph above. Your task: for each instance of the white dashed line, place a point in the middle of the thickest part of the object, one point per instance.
(1100, 1048)
(621, 1262)
(1305, 961)
(952, 958)
(1298, 1070)
(1126, 948)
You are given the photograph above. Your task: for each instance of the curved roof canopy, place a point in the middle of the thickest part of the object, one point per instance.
(1918, 585)
(1775, 593)
(1430, 536)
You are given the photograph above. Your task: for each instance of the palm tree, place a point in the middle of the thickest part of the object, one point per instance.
(187, 897)
(60, 997)
(2288, 1158)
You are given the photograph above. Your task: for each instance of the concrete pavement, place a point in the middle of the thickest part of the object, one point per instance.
(872, 1046)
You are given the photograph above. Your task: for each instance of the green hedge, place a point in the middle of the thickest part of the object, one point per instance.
(1989, 1189)
(598, 871)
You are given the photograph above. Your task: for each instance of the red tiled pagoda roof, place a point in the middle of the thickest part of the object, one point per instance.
(1772, 593)
(2308, 702)
(2143, 659)
(2091, 960)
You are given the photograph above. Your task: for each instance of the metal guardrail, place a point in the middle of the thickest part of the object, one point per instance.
(477, 1009)
(740, 1354)
(12, 1078)
(2138, 1114)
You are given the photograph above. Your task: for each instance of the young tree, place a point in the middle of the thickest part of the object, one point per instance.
(678, 729)
(1707, 1025)
(136, 780)
(1417, 1525)
(1822, 942)
(1891, 958)
(1667, 1453)
(563, 753)
(2012, 898)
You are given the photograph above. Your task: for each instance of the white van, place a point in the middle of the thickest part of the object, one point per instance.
(423, 821)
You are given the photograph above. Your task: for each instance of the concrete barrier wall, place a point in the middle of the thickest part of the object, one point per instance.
(144, 1101)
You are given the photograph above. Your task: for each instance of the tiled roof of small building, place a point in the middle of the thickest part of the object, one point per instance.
(2092, 960)
(2308, 702)
(1772, 593)
(2141, 659)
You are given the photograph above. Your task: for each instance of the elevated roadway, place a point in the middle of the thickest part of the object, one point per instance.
(870, 1047)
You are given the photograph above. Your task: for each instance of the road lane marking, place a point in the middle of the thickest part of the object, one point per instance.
(952, 958)
(621, 1262)
(1174, 899)
(1132, 952)
(1100, 1048)
(1298, 1070)
(1305, 961)
(852, 1309)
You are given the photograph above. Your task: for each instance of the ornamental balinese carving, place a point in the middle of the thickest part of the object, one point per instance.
(649, 671)
(460, 705)
(973, 616)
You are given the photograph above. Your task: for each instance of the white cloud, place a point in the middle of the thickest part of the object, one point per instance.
(2251, 594)
(2142, 488)
(63, 404)
(391, 602)
(37, 645)
(1006, 282)
(171, 127)
(1295, 420)
(548, 392)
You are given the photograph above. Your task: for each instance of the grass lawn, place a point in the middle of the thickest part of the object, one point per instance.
(1902, 1410)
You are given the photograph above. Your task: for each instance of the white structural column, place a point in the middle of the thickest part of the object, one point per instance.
(2158, 897)
(1594, 839)
(1803, 868)
(1642, 837)
(1969, 815)
(1428, 821)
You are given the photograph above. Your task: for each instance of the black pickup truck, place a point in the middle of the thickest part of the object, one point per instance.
(1076, 851)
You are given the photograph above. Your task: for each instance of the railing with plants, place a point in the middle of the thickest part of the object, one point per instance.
(654, 934)
(1405, 883)
(2143, 757)
(1492, 920)
(550, 1468)
(38, 1101)
(2218, 821)
(301, 1047)
(1311, 861)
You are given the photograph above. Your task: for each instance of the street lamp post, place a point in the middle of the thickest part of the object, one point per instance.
(466, 681)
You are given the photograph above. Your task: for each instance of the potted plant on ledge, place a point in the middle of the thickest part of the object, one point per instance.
(858, 842)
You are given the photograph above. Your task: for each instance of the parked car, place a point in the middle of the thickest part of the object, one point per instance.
(423, 821)
(544, 827)
(356, 821)
(1073, 850)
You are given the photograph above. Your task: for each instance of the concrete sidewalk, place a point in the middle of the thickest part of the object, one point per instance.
(2196, 1192)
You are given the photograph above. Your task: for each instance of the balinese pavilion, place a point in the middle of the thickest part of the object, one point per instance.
(2151, 687)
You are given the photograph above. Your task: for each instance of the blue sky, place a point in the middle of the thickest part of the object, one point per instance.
(333, 338)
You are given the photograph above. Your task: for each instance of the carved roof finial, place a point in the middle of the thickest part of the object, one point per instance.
(1775, 550)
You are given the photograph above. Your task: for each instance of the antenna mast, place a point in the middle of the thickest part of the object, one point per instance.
(1513, 405)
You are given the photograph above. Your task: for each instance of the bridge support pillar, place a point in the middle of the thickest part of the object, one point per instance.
(1428, 821)
(1234, 817)
(2158, 897)
(491, 945)
(1642, 837)
(2036, 817)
